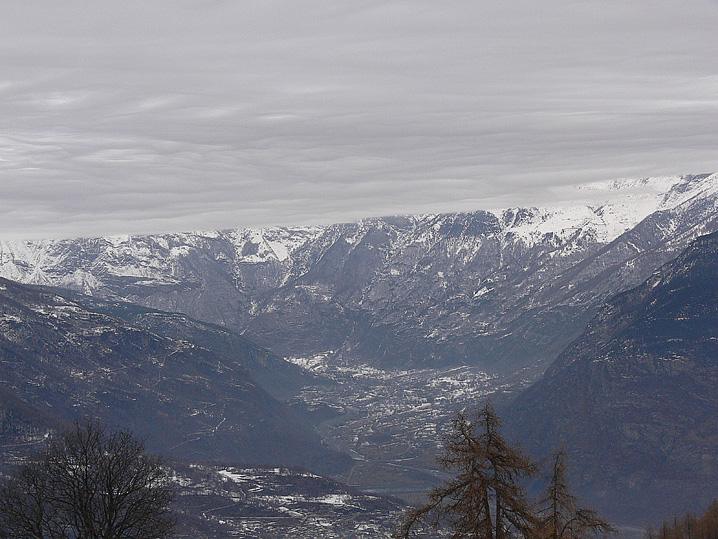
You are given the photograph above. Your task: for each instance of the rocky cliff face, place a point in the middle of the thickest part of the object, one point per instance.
(504, 290)
(634, 399)
(61, 361)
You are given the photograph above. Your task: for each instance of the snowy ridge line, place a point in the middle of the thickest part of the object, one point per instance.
(627, 203)
(84, 264)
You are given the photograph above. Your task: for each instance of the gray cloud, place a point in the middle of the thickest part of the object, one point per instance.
(141, 116)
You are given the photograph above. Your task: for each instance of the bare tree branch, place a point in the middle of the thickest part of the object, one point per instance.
(91, 484)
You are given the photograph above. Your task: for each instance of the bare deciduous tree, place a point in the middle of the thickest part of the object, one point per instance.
(89, 484)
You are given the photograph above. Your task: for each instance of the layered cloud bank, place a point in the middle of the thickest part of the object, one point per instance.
(136, 117)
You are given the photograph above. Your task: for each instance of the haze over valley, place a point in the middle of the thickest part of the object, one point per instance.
(347, 349)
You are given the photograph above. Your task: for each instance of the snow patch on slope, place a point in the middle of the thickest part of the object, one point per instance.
(255, 245)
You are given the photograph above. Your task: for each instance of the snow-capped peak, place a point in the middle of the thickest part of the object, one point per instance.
(617, 206)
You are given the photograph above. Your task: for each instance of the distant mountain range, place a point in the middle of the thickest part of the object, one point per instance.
(505, 290)
(634, 400)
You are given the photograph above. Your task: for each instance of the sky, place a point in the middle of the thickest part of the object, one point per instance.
(131, 117)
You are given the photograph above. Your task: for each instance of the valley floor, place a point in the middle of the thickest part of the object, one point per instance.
(392, 422)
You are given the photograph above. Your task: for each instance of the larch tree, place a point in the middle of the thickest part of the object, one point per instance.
(486, 499)
(560, 515)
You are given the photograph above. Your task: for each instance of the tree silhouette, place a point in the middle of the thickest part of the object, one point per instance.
(688, 527)
(486, 498)
(561, 517)
(89, 484)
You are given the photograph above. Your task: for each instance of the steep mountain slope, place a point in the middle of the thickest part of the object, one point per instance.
(275, 375)
(62, 361)
(634, 399)
(504, 290)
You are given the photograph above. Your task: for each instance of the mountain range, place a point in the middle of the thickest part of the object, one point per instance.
(504, 290)
(609, 305)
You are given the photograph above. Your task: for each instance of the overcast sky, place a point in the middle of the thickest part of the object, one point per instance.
(147, 116)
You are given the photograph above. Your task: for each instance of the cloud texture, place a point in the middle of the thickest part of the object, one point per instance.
(136, 116)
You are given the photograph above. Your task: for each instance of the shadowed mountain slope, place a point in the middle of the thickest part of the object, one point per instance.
(64, 361)
(634, 400)
(278, 377)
